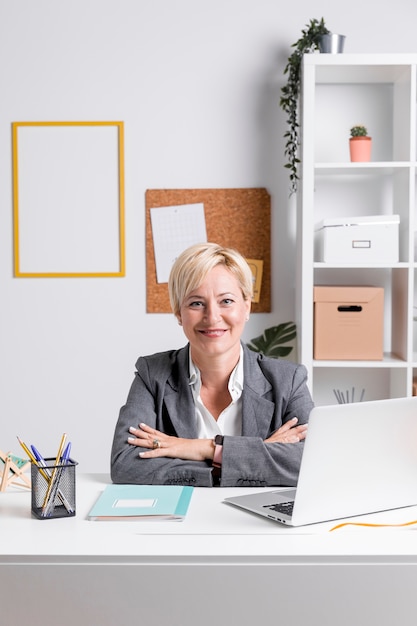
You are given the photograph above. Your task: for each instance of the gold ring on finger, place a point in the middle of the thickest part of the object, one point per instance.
(156, 444)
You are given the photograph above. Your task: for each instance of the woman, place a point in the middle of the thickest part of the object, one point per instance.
(212, 412)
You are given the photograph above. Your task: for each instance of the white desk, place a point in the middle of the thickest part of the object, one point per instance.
(219, 566)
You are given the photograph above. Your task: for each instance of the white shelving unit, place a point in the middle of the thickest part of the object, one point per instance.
(379, 92)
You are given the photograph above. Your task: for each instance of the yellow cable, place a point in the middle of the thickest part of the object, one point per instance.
(372, 525)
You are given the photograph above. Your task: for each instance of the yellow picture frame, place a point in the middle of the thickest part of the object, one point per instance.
(68, 199)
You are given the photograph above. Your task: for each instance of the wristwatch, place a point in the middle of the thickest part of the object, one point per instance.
(217, 460)
(218, 451)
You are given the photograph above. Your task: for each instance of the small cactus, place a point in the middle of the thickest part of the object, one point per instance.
(358, 131)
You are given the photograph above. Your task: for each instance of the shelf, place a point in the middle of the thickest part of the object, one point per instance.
(320, 265)
(380, 92)
(385, 168)
(359, 68)
(388, 361)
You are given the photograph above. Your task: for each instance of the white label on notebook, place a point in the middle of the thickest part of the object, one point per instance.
(141, 503)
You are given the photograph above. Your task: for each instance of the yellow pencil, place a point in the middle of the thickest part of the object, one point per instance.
(60, 449)
(53, 475)
(33, 459)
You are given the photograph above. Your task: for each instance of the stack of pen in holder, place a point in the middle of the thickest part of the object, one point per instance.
(53, 481)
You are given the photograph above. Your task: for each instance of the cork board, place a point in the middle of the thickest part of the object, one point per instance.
(236, 218)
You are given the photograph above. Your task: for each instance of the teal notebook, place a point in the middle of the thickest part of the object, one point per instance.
(141, 502)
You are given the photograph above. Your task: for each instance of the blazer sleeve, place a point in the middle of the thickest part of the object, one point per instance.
(145, 403)
(247, 460)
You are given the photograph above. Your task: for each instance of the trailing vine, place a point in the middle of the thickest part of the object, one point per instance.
(309, 42)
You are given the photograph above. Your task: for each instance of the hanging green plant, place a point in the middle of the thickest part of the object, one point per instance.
(270, 343)
(309, 42)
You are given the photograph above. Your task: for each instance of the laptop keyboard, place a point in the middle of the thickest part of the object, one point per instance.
(281, 507)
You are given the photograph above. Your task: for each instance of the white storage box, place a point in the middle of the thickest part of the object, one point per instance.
(362, 239)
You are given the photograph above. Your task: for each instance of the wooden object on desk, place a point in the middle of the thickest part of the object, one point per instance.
(235, 218)
(12, 470)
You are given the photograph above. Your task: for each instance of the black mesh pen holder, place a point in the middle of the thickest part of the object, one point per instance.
(53, 489)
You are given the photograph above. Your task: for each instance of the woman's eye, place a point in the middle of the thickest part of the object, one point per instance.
(196, 304)
(227, 301)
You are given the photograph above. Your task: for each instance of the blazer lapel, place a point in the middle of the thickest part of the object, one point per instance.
(257, 410)
(179, 398)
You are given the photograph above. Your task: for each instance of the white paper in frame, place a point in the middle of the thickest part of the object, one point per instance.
(68, 199)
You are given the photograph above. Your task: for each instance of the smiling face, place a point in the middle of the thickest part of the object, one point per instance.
(213, 316)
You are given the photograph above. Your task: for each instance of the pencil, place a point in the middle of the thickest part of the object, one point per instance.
(45, 507)
(33, 459)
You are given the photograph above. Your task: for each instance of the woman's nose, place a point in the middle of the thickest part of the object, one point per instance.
(212, 313)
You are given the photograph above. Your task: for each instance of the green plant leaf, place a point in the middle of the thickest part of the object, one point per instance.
(270, 343)
(308, 42)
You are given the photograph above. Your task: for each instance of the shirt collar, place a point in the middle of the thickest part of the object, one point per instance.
(235, 384)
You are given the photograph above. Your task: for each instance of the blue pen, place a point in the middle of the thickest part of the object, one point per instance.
(66, 454)
(38, 456)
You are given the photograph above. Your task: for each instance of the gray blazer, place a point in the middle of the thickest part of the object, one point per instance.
(274, 391)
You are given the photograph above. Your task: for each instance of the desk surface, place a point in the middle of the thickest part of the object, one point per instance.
(210, 529)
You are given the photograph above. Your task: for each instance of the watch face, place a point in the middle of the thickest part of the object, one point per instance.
(218, 440)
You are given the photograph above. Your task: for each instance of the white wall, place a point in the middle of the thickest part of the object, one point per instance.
(197, 84)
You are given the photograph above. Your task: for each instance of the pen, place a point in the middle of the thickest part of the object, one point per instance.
(66, 454)
(47, 503)
(39, 458)
(40, 461)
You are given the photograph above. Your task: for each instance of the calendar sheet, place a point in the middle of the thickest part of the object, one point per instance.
(175, 228)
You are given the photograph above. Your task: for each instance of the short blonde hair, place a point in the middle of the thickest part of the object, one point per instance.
(193, 264)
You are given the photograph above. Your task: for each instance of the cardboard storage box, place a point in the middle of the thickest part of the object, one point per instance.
(348, 323)
(371, 239)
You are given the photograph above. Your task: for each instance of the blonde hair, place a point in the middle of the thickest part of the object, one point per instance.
(193, 264)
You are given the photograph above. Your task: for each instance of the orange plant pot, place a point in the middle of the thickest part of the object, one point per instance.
(360, 148)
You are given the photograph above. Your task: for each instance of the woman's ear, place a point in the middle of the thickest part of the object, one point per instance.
(179, 319)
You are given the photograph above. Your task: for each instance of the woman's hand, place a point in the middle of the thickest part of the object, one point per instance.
(289, 433)
(162, 445)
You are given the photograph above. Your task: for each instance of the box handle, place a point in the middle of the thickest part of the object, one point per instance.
(352, 308)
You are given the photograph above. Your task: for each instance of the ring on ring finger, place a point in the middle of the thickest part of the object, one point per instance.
(156, 444)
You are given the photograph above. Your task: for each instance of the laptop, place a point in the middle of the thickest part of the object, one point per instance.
(358, 458)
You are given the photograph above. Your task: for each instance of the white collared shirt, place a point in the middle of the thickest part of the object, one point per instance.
(229, 421)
